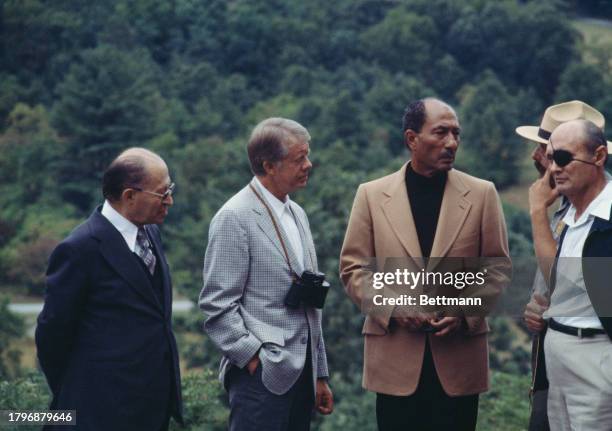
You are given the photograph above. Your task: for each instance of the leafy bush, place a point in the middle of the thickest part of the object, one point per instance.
(26, 393)
(202, 398)
(204, 409)
(11, 328)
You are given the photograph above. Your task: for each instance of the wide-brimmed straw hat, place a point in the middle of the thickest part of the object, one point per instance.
(561, 113)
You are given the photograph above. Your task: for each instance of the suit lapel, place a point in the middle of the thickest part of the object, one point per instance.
(453, 213)
(399, 215)
(267, 226)
(167, 291)
(118, 255)
(600, 225)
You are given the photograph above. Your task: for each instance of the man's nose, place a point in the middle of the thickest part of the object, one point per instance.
(553, 166)
(169, 200)
(307, 164)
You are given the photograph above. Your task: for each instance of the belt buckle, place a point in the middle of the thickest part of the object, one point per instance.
(579, 332)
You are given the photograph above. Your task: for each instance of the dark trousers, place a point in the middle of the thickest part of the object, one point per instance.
(538, 420)
(429, 408)
(254, 408)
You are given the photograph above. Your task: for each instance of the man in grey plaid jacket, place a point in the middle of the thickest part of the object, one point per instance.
(274, 363)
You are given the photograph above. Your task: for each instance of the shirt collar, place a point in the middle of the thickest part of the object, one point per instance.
(599, 207)
(563, 206)
(278, 206)
(126, 228)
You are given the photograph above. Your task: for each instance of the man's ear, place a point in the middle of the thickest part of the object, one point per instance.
(128, 195)
(410, 138)
(601, 155)
(269, 167)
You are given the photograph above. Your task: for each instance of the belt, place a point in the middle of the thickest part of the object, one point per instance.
(576, 332)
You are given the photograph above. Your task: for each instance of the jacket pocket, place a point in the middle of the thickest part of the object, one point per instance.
(370, 327)
(272, 335)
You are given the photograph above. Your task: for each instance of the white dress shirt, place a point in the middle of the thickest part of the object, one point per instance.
(283, 213)
(570, 303)
(126, 228)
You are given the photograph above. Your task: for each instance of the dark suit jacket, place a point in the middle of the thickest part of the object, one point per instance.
(104, 341)
(597, 256)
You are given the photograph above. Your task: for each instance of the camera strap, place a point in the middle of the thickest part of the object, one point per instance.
(298, 222)
(280, 237)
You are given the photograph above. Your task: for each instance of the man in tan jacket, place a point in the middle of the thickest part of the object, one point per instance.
(426, 368)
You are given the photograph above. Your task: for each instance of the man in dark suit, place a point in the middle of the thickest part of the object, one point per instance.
(104, 336)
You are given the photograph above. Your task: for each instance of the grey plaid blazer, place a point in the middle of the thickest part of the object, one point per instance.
(246, 278)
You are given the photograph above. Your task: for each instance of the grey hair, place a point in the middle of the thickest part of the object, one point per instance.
(270, 141)
(128, 169)
(593, 136)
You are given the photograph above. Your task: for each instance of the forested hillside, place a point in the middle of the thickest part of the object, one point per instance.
(82, 80)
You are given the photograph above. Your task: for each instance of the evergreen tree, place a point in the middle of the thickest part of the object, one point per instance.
(489, 147)
(108, 101)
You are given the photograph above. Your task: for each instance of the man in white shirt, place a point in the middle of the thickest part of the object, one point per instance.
(274, 363)
(577, 346)
(540, 298)
(104, 337)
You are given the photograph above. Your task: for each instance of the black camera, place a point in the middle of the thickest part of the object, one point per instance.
(310, 289)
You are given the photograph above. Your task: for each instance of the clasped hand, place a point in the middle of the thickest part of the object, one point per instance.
(442, 326)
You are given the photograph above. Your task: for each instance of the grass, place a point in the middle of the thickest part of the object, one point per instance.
(594, 31)
(597, 40)
(518, 195)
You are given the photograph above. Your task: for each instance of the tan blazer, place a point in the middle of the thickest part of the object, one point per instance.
(381, 226)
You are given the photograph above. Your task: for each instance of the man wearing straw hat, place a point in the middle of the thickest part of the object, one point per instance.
(577, 343)
(553, 117)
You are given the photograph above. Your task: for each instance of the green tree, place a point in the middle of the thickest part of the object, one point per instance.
(490, 149)
(29, 152)
(107, 101)
(10, 93)
(401, 42)
(582, 82)
(537, 45)
(386, 101)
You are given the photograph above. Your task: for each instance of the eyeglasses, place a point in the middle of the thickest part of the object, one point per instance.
(169, 191)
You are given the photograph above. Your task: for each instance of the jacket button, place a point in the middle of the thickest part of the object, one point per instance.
(304, 340)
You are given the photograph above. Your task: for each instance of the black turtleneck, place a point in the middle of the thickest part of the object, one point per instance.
(425, 197)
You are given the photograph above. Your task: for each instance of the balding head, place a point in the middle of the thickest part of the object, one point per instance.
(147, 156)
(577, 154)
(131, 168)
(416, 113)
(581, 132)
(572, 131)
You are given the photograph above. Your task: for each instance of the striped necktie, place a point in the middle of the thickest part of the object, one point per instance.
(144, 250)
